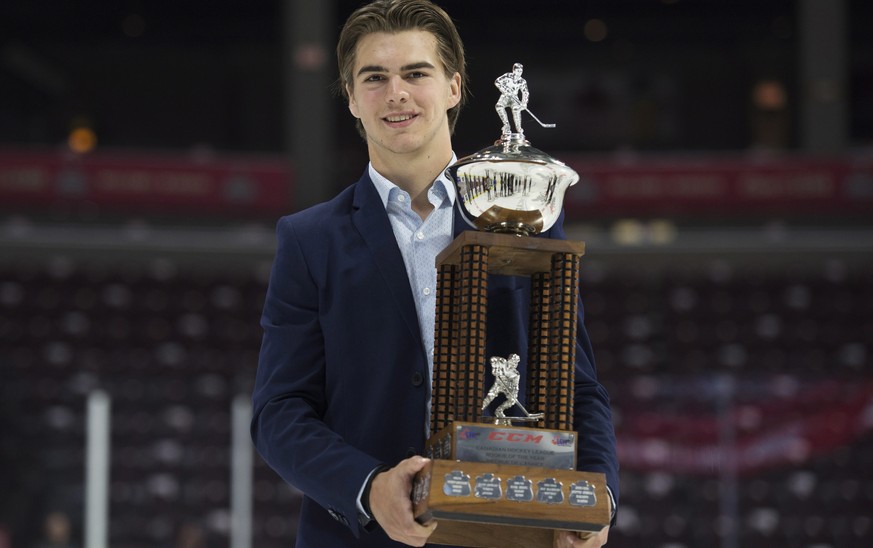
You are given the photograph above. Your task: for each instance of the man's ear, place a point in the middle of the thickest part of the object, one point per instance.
(353, 105)
(454, 90)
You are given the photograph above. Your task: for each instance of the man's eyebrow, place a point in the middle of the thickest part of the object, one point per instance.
(416, 66)
(404, 68)
(371, 68)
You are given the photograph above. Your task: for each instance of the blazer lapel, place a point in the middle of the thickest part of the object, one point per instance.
(458, 224)
(371, 221)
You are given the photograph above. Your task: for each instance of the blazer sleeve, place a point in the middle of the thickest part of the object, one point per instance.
(591, 406)
(289, 397)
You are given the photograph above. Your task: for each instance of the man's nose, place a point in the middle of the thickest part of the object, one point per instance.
(397, 90)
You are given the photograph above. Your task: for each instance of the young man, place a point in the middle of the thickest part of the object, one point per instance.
(342, 388)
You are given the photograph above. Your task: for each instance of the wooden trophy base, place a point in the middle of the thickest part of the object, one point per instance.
(482, 504)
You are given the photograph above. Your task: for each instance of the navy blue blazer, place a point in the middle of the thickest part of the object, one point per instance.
(341, 383)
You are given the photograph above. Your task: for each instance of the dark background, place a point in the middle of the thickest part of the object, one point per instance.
(176, 75)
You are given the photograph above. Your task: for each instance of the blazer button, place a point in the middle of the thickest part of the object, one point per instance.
(417, 379)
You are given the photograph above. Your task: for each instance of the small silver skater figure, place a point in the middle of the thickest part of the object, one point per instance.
(511, 85)
(506, 377)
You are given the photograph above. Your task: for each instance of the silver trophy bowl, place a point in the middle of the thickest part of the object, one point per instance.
(511, 187)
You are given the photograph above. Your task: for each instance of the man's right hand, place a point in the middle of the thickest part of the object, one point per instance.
(391, 503)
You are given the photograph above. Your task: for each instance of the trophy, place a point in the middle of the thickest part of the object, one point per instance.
(507, 478)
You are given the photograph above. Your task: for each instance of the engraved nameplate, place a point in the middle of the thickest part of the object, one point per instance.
(457, 484)
(550, 491)
(582, 494)
(488, 487)
(443, 450)
(519, 489)
(420, 488)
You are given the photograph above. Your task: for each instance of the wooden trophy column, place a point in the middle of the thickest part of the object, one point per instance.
(462, 304)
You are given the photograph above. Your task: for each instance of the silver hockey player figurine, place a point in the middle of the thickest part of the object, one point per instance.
(514, 95)
(511, 85)
(506, 377)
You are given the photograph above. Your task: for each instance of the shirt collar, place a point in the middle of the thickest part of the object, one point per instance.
(386, 188)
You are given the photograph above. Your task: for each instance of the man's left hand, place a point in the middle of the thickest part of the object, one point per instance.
(570, 539)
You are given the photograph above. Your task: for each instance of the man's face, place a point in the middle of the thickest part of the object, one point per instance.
(401, 94)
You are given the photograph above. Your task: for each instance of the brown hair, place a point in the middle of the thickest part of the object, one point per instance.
(395, 16)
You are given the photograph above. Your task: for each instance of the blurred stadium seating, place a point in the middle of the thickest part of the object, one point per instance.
(698, 344)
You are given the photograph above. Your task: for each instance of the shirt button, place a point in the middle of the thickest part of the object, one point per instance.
(401, 198)
(426, 291)
(419, 235)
